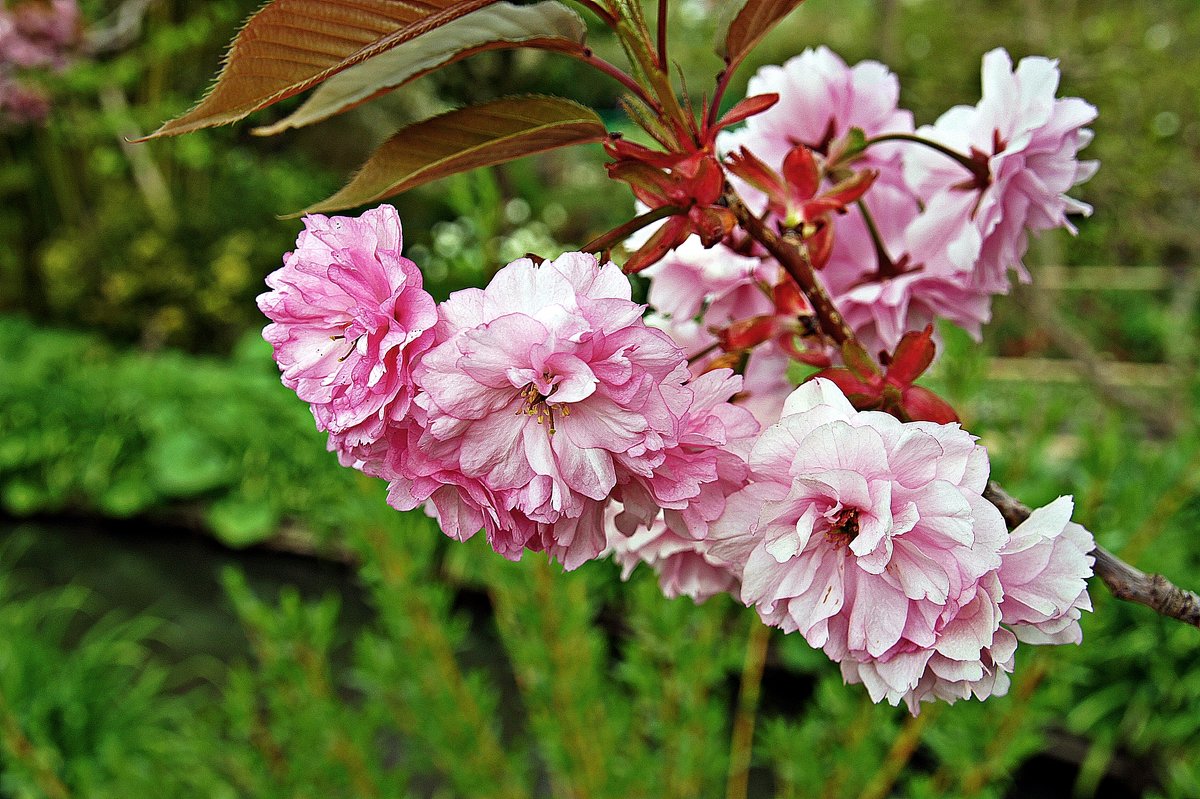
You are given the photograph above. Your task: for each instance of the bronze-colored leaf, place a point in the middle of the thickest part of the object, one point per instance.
(458, 141)
(502, 25)
(292, 45)
(750, 21)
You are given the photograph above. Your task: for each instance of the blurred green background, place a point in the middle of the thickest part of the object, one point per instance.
(195, 600)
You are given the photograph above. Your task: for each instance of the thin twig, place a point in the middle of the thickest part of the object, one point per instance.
(742, 745)
(118, 30)
(794, 259)
(585, 55)
(978, 169)
(903, 748)
(994, 753)
(146, 174)
(723, 78)
(847, 747)
(1124, 581)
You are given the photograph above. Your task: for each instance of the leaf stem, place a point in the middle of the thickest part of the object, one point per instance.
(606, 241)
(585, 54)
(723, 79)
(662, 34)
(885, 267)
(603, 13)
(704, 353)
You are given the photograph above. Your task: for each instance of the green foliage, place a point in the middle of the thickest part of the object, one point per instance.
(560, 684)
(85, 710)
(85, 427)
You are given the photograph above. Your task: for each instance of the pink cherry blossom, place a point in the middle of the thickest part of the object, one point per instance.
(820, 100)
(721, 283)
(868, 536)
(21, 104)
(1028, 140)
(708, 464)
(682, 564)
(33, 35)
(705, 464)
(971, 657)
(913, 282)
(38, 34)
(543, 391)
(696, 291)
(1044, 568)
(765, 383)
(349, 317)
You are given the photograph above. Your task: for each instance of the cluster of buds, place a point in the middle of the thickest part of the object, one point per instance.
(686, 183)
(795, 196)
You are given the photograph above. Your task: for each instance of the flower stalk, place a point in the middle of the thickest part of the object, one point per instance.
(793, 258)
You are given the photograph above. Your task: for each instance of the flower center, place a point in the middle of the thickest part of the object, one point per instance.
(533, 403)
(349, 352)
(844, 526)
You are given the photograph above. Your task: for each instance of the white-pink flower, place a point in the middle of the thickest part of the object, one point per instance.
(664, 520)
(1028, 141)
(765, 383)
(820, 100)
(717, 282)
(1044, 569)
(914, 281)
(21, 104)
(972, 656)
(871, 538)
(696, 291)
(38, 34)
(868, 536)
(543, 391)
(349, 317)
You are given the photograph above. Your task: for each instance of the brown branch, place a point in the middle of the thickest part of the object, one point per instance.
(1123, 581)
(794, 259)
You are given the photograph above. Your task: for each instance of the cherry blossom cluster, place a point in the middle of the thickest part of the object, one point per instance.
(905, 225)
(525, 409)
(543, 410)
(555, 414)
(871, 538)
(34, 34)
